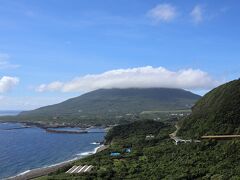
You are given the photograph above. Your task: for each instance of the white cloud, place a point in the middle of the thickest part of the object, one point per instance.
(140, 77)
(54, 86)
(7, 83)
(162, 13)
(197, 14)
(4, 62)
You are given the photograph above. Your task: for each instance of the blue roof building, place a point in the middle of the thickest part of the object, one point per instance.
(115, 154)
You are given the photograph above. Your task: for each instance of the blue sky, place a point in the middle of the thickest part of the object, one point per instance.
(48, 47)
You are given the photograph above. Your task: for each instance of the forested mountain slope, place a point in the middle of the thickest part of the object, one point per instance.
(102, 105)
(218, 112)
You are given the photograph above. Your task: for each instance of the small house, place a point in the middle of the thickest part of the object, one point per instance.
(115, 154)
(128, 150)
(150, 136)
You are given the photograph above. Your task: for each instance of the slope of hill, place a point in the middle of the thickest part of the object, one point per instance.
(101, 105)
(218, 112)
(158, 157)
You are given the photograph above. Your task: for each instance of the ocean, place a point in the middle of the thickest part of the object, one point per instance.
(9, 112)
(25, 149)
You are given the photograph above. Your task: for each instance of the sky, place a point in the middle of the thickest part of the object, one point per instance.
(52, 50)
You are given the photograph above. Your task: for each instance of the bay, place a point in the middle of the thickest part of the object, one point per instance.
(30, 148)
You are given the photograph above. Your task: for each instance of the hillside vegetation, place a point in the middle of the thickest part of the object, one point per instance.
(109, 106)
(158, 157)
(218, 112)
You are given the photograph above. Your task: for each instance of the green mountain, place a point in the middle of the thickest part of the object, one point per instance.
(218, 112)
(108, 106)
(158, 157)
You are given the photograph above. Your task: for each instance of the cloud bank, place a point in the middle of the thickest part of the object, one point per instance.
(140, 77)
(162, 13)
(197, 14)
(7, 83)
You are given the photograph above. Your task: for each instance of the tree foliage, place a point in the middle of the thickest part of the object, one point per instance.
(159, 158)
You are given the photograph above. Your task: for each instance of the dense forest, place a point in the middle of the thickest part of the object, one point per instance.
(218, 112)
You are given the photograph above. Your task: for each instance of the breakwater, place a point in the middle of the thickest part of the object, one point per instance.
(65, 131)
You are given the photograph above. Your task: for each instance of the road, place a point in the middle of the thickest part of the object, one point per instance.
(174, 137)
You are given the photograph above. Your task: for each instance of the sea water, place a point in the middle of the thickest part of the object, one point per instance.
(9, 112)
(25, 149)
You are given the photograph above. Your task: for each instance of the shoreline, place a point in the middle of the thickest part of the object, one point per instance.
(38, 172)
(47, 127)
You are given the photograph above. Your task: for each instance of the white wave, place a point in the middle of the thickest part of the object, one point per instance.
(20, 174)
(25, 172)
(86, 153)
(63, 162)
(96, 143)
(89, 152)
